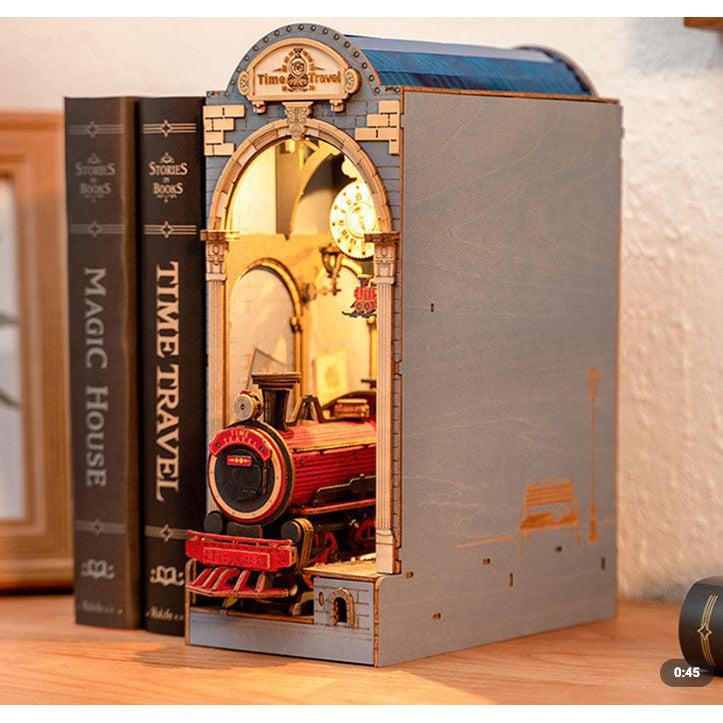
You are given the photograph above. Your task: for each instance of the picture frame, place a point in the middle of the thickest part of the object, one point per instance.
(35, 539)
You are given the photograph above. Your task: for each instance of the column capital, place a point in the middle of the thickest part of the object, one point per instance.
(385, 256)
(218, 234)
(217, 242)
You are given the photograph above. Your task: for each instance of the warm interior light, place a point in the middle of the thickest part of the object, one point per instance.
(351, 217)
(330, 258)
(281, 207)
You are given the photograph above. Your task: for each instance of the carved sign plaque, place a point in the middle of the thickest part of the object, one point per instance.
(298, 69)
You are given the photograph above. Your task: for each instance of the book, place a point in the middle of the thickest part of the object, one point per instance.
(101, 198)
(173, 373)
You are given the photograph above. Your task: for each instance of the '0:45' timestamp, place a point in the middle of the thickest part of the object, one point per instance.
(679, 673)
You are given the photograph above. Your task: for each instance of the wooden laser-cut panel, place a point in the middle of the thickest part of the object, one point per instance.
(509, 306)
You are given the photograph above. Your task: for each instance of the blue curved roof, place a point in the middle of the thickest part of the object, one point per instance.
(471, 67)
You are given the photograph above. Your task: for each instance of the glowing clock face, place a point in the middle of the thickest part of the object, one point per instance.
(352, 215)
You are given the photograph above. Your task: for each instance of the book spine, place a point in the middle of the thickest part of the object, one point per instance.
(171, 174)
(100, 182)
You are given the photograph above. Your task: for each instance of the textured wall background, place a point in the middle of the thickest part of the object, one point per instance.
(670, 80)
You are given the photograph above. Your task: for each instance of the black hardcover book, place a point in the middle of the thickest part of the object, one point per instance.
(171, 188)
(700, 629)
(102, 291)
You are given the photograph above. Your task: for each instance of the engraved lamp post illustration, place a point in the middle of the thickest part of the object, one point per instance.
(593, 376)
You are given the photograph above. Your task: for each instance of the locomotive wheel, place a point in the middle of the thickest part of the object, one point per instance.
(364, 533)
(324, 549)
(300, 531)
(327, 546)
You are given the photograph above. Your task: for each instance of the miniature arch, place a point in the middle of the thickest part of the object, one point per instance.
(341, 608)
(272, 133)
(218, 223)
(280, 271)
(284, 275)
(312, 165)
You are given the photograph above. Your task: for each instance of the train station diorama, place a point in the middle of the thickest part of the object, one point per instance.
(412, 277)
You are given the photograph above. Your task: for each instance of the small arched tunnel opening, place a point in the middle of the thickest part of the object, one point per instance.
(341, 608)
(341, 611)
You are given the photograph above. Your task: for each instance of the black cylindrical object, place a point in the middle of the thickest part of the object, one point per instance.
(276, 389)
(700, 629)
(214, 523)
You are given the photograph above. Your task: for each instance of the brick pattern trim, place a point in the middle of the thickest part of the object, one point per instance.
(383, 126)
(277, 130)
(217, 119)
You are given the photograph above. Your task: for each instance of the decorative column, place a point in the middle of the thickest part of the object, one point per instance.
(217, 242)
(385, 257)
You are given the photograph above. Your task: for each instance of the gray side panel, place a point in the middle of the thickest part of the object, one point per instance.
(322, 640)
(510, 228)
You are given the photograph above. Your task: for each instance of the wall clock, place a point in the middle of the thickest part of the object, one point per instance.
(352, 215)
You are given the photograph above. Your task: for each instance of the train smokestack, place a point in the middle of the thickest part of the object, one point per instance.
(275, 389)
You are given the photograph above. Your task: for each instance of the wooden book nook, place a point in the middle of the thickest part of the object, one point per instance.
(412, 271)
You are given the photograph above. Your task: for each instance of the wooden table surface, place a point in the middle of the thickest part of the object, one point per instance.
(46, 658)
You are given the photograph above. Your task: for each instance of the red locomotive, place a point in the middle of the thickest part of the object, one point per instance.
(290, 494)
(365, 299)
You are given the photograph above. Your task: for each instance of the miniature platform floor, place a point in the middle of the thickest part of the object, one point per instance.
(46, 658)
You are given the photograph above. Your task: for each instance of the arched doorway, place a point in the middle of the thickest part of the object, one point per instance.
(279, 130)
(280, 210)
(263, 306)
(228, 253)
